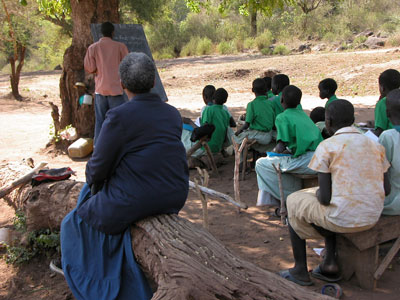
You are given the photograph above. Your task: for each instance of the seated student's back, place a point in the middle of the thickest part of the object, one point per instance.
(388, 81)
(219, 117)
(293, 125)
(260, 112)
(279, 82)
(390, 139)
(357, 165)
(268, 82)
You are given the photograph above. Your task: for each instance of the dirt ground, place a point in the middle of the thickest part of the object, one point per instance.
(253, 234)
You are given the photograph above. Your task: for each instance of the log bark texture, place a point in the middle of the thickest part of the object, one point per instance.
(187, 262)
(183, 260)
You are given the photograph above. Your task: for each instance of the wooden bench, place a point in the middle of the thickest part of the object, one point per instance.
(307, 180)
(358, 253)
(203, 143)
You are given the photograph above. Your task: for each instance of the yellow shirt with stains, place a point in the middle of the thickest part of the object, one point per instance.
(357, 165)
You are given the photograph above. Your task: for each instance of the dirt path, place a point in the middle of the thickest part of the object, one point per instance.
(253, 234)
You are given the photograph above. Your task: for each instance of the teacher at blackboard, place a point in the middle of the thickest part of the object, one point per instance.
(102, 59)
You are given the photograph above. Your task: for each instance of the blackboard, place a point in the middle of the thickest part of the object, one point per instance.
(132, 35)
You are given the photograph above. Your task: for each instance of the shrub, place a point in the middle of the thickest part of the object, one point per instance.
(239, 45)
(266, 51)
(191, 47)
(226, 48)
(389, 27)
(329, 37)
(40, 242)
(359, 40)
(394, 40)
(264, 40)
(281, 50)
(164, 53)
(249, 43)
(204, 46)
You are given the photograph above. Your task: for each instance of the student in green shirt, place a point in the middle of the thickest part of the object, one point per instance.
(219, 117)
(388, 81)
(327, 89)
(279, 82)
(317, 115)
(297, 138)
(260, 116)
(268, 81)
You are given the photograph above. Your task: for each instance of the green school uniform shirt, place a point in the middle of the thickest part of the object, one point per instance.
(260, 114)
(298, 130)
(330, 100)
(219, 117)
(277, 104)
(381, 118)
(270, 94)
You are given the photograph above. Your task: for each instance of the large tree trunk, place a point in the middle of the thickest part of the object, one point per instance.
(253, 21)
(16, 70)
(83, 13)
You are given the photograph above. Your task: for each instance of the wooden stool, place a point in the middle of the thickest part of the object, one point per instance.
(244, 148)
(358, 253)
(198, 145)
(307, 180)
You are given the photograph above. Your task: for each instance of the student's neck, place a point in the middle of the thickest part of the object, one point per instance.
(334, 129)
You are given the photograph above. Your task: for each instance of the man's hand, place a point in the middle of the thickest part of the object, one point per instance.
(280, 147)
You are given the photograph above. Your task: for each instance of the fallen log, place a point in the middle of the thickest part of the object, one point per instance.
(187, 262)
(182, 259)
(20, 181)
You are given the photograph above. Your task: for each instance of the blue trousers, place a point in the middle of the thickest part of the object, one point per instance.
(101, 105)
(99, 266)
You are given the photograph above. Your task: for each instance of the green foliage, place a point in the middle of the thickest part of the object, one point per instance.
(281, 50)
(54, 135)
(226, 47)
(45, 42)
(266, 51)
(394, 41)
(239, 44)
(359, 40)
(204, 46)
(164, 53)
(40, 242)
(264, 40)
(249, 43)
(58, 12)
(144, 10)
(191, 47)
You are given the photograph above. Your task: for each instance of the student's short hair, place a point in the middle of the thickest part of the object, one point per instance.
(259, 86)
(281, 81)
(220, 96)
(268, 82)
(393, 101)
(390, 79)
(341, 112)
(137, 72)
(208, 92)
(107, 29)
(318, 114)
(291, 95)
(328, 84)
